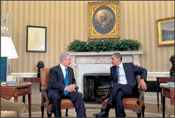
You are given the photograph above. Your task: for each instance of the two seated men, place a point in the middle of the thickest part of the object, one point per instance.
(62, 84)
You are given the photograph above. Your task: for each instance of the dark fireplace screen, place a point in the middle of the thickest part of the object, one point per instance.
(95, 86)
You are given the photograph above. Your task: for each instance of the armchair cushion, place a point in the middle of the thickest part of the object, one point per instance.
(128, 103)
(66, 103)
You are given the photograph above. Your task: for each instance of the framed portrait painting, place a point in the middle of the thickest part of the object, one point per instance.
(165, 31)
(103, 20)
(36, 39)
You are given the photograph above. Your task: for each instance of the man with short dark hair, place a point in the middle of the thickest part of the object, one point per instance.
(124, 83)
(62, 84)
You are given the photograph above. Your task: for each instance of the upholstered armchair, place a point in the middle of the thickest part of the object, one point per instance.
(11, 109)
(135, 103)
(45, 102)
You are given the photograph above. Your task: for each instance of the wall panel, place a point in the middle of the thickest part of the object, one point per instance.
(67, 21)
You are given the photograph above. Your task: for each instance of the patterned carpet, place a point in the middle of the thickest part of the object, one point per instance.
(150, 111)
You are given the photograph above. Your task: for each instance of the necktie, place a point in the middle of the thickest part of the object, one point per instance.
(66, 81)
(118, 74)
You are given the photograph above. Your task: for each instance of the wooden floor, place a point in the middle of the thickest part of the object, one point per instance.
(151, 110)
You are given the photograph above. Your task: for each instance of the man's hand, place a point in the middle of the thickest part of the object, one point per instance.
(70, 88)
(142, 84)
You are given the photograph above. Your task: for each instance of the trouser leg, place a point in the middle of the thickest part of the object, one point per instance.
(115, 99)
(56, 105)
(77, 99)
(119, 110)
(113, 94)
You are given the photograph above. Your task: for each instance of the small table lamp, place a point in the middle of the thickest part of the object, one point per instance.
(7, 51)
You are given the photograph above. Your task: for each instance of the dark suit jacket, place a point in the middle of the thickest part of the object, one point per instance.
(56, 81)
(130, 71)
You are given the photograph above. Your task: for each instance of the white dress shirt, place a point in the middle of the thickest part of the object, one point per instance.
(122, 77)
(63, 70)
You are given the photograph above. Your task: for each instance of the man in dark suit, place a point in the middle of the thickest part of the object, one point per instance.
(124, 83)
(62, 84)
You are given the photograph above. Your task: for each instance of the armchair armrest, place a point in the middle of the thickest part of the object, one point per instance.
(44, 96)
(140, 96)
(141, 91)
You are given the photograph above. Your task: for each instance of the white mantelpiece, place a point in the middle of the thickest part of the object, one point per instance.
(98, 62)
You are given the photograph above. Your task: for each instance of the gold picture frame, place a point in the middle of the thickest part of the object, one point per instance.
(165, 31)
(36, 39)
(103, 20)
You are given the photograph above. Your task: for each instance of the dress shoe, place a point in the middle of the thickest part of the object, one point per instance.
(103, 113)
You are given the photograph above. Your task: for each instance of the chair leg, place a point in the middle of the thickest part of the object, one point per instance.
(49, 114)
(143, 111)
(42, 111)
(66, 112)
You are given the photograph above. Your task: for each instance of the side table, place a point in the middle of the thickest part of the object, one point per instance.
(162, 80)
(14, 90)
(169, 93)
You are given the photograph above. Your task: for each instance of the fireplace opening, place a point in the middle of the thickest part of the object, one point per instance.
(95, 86)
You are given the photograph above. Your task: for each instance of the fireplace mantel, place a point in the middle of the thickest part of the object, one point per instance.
(98, 62)
(82, 57)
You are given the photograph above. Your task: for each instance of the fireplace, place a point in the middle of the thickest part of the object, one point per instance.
(97, 63)
(95, 86)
